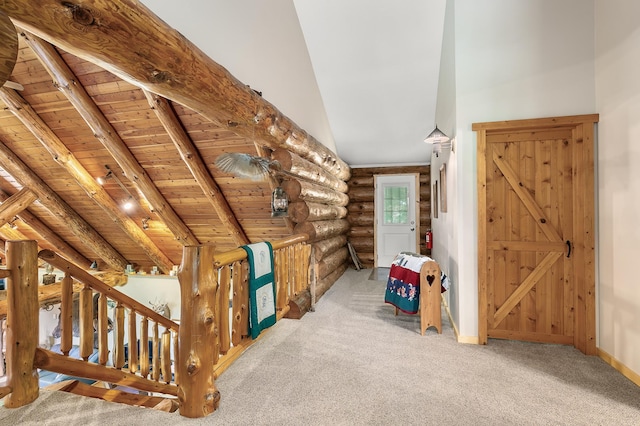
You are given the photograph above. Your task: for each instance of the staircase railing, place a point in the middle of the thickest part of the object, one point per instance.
(291, 260)
(212, 333)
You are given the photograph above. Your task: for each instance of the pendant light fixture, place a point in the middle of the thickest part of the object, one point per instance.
(438, 139)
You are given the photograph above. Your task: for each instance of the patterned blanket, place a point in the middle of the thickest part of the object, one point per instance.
(403, 286)
(262, 288)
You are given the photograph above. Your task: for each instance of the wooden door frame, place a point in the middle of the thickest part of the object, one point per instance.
(583, 251)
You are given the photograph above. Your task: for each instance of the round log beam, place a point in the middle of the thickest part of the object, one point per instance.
(302, 211)
(362, 207)
(361, 181)
(332, 262)
(361, 194)
(307, 191)
(161, 60)
(360, 232)
(8, 47)
(304, 169)
(325, 247)
(362, 244)
(361, 220)
(322, 229)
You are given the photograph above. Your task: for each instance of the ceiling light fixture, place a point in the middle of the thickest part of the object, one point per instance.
(103, 179)
(438, 139)
(129, 202)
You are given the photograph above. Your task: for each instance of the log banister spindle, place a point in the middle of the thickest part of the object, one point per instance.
(155, 359)
(133, 343)
(282, 287)
(223, 320)
(165, 357)
(103, 330)
(144, 347)
(86, 323)
(66, 315)
(176, 359)
(239, 304)
(118, 349)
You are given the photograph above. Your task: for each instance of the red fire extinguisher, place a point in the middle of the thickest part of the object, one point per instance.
(428, 237)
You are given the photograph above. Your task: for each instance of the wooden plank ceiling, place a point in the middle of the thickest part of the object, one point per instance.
(63, 147)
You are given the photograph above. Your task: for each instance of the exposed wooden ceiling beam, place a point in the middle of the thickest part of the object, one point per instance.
(62, 247)
(191, 157)
(32, 121)
(8, 47)
(160, 60)
(66, 82)
(60, 209)
(16, 203)
(10, 234)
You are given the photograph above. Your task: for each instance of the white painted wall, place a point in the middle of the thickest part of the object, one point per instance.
(444, 229)
(276, 63)
(513, 60)
(617, 24)
(150, 289)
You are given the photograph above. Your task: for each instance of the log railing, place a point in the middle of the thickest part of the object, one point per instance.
(182, 360)
(151, 372)
(291, 260)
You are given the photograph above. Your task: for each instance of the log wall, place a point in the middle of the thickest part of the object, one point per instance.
(361, 212)
(318, 201)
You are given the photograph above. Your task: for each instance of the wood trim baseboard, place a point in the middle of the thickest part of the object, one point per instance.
(604, 355)
(473, 340)
(623, 369)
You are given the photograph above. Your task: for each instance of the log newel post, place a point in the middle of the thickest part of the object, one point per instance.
(197, 393)
(22, 322)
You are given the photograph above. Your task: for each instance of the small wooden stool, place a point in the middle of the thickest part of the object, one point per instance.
(430, 297)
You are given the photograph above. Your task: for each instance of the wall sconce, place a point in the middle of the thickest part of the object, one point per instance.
(145, 223)
(279, 203)
(439, 140)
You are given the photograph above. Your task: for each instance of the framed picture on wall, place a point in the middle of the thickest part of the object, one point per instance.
(435, 199)
(443, 188)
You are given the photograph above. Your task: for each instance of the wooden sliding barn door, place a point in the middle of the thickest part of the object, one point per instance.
(535, 231)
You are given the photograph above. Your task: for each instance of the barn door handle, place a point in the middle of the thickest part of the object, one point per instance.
(568, 248)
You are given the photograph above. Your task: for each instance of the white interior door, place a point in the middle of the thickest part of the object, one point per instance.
(396, 227)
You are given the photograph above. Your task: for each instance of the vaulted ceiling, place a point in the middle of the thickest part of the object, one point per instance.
(105, 89)
(362, 74)
(68, 119)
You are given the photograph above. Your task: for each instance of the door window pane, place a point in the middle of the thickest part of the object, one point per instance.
(396, 205)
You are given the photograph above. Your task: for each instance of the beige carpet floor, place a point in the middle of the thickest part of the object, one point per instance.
(352, 362)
